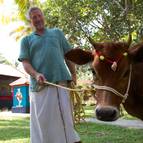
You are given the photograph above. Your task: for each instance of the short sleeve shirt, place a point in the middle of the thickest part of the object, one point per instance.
(46, 55)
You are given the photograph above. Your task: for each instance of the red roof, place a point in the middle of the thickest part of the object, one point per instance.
(20, 81)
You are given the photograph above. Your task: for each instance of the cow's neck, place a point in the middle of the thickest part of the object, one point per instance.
(134, 108)
(134, 103)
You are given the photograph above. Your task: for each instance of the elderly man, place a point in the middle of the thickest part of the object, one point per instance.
(42, 55)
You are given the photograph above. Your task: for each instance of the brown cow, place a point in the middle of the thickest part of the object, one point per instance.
(119, 77)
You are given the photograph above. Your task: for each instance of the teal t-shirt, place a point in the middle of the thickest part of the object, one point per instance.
(46, 55)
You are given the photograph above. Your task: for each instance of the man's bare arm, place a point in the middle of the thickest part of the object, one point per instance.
(72, 69)
(31, 71)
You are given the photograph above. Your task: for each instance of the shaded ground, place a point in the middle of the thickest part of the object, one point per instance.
(119, 122)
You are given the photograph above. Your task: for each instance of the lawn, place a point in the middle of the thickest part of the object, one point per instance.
(99, 133)
(16, 130)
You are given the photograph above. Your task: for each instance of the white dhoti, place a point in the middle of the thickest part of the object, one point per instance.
(51, 117)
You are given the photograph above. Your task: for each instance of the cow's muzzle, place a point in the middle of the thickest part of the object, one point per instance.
(108, 113)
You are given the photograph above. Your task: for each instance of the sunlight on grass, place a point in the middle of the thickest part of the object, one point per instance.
(127, 116)
(25, 140)
(89, 111)
(99, 133)
(16, 130)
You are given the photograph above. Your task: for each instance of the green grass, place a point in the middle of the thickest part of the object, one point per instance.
(17, 131)
(89, 111)
(99, 133)
(14, 130)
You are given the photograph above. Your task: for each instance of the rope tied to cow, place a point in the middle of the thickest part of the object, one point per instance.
(67, 88)
(107, 88)
(76, 99)
(78, 112)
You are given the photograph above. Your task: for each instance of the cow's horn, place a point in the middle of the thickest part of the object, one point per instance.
(129, 40)
(92, 42)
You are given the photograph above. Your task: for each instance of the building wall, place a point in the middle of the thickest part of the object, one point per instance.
(6, 100)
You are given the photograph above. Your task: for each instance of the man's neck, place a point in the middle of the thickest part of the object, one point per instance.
(40, 32)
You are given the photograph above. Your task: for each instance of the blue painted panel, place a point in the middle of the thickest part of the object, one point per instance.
(21, 96)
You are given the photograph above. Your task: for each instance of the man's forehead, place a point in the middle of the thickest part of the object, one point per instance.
(36, 11)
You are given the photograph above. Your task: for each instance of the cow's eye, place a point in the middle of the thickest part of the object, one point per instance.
(95, 75)
(93, 72)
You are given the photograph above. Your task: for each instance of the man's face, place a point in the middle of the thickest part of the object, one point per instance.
(37, 19)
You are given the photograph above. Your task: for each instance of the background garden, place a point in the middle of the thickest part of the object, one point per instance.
(103, 20)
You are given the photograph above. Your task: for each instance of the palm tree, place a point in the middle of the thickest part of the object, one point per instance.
(3, 60)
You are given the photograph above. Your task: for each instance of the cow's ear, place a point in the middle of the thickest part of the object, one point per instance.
(136, 53)
(79, 56)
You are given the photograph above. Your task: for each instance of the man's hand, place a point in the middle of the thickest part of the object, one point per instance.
(40, 78)
(72, 69)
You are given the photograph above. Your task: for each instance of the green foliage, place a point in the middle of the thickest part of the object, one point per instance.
(84, 73)
(1, 1)
(103, 20)
(3, 60)
(23, 6)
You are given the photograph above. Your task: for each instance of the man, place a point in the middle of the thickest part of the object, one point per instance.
(42, 56)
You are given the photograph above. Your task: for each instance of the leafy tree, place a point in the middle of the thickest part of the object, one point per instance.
(3, 60)
(101, 19)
